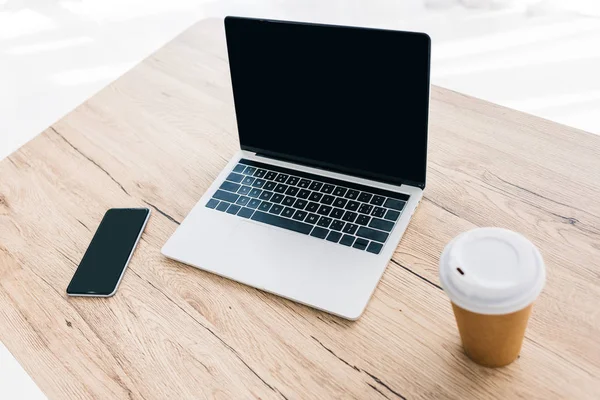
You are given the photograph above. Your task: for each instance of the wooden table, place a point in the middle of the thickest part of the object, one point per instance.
(160, 134)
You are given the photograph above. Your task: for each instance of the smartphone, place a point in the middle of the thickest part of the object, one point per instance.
(105, 260)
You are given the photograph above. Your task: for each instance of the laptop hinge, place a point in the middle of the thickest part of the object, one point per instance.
(341, 171)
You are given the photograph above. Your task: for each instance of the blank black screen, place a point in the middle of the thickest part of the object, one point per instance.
(107, 255)
(350, 99)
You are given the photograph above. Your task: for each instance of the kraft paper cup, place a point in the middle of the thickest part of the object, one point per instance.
(492, 277)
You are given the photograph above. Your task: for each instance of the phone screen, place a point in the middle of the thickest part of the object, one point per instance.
(105, 260)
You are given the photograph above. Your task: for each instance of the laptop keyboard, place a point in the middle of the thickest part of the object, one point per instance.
(340, 212)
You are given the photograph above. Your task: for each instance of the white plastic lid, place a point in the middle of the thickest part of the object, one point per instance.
(492, 271)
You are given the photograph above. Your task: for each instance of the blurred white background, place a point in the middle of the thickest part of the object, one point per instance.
(538, 56)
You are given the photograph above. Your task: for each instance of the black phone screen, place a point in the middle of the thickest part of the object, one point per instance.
(105, 260)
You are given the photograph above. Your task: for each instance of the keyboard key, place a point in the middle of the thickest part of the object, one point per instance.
(292, 191)
(315, 196)
(372, 234)
(349, 216)
(265, 206)
(392, 215)
(350, 229)
(339, 191)
(254, 203)
(363, 220)
(395, 204)
(270, 175)
(300, 215)
(379, 212)
(374, 247)
(315, 185)
(233, 209)
(365, 209)
(352, 194)
(303, 194)
(312, 218)
(352, 205)
(260, 173)
(248, 180)
(360, 244)
(312, 207)
(324, 210)
(300, 204)
(337, 213)
(324, 222)
(293, 180)
(280, 188)
(288, 201)
(227, 196)
(327, 188)
(259, 183)
(276, 209)
(337, 225)
(212, 203)
(304, 183)
(347, 240)
(230, 186)
(288, 212)
(327, 199)
(223, 206)
(277, 198)
(365, 197)
(339, 202)
(243, 200)
(239, 168)
(245, 212)
(249, 170)
(321, 233)
(233, 177)
(255, 192)
(284, 223)
(270, 185)
(381, 224)
(333, 236)
(377, 200)
(244, 190)
(265, 195)
(282, 178)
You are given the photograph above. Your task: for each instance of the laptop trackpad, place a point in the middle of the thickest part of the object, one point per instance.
(279, 258)
(300, 267)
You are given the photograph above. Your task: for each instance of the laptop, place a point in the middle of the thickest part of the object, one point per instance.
(332, 123)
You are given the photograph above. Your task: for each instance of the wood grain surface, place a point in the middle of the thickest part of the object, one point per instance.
(159, 135)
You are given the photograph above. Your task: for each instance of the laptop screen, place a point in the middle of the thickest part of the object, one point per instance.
(352, 100)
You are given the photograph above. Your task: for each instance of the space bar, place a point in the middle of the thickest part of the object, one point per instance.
(284, 223)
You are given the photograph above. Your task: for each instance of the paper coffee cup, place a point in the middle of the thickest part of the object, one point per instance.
(492, 276)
